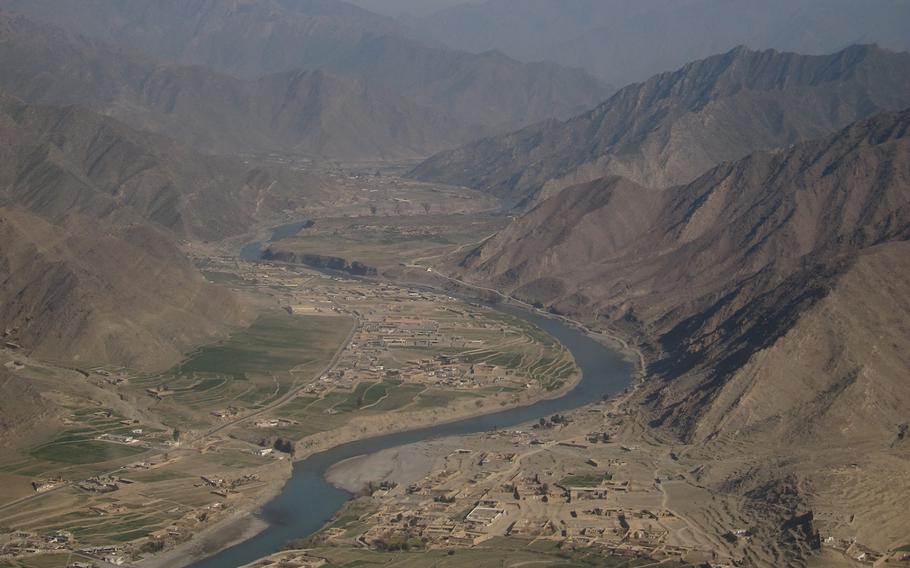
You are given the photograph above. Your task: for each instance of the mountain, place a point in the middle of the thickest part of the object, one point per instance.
(306, 113)
(60, 161)
(22, 408)
(89, 212)
(85, 292)
(673, 127)
(623, 42)
(254, 39)
(769, 295)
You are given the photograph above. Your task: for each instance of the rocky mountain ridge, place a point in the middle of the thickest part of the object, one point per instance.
(717, 279)
(675, 126)
(251, 40)
(309, 113)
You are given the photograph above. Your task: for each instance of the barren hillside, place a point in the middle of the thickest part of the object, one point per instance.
(255, 39)
(83, 292)
(675, 126)
(717, 276)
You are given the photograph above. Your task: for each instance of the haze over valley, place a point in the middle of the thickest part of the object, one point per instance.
(487, 283)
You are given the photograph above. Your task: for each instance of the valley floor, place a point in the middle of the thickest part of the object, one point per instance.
(159, 469)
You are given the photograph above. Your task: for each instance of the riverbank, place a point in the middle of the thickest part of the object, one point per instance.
(242, 523)
(601, 371)
(308, 501)
(403, 465)
(249, 520)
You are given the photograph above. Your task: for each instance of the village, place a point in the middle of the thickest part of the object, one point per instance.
(406, 339)
(408, 351)
(579, 502)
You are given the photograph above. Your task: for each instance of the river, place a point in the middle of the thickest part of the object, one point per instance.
(308, 501)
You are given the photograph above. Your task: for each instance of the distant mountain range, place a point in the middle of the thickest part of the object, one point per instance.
(782, 272)
(624, 42)
(673, 127)
(305, 113)
(486, 92)
(60, 161)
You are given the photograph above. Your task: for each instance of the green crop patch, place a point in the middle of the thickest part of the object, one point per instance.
(84, 452)
(274, 343)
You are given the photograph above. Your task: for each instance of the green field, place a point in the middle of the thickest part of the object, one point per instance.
(585, 480)
(224, 278)
(84, 452)
(387, 241)
(251, 368)
(273, 343)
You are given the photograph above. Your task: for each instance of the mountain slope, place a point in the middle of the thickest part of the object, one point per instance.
(624, 42)
(83, 292)
(253, 39)
(309, 113)
(716, 277)
(21, 408)
(677, 125)
(59, 161)
(89, 211)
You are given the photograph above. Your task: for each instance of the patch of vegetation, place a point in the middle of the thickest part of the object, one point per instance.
(398, 396)
(585, 480)
(84, 452)
(274, 343)
(223, 278)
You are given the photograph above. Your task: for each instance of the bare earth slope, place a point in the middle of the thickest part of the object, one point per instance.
(675, 126)
(83, 292)
(305, 113)
(254, 39)
(714, 277)
(89, 211)
(58, 161)
(21, 408)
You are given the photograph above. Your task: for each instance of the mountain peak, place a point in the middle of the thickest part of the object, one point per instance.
(676, 125)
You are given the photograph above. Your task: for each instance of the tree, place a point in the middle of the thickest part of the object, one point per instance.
(284, 446)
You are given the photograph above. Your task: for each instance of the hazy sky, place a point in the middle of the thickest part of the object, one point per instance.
(409, 7)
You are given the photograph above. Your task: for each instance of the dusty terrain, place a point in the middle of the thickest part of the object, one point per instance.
(673, 127)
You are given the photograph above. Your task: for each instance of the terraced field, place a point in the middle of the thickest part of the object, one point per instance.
(249, 370)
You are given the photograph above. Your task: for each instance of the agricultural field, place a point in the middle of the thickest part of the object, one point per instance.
(496, 553)
(76, 450)
(165, 492)
(252, 368)
(384, 242)
(332, 356)
(412, 351)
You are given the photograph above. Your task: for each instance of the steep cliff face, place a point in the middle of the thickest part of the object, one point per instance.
(722, 277)
(675, 126)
